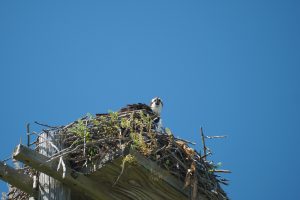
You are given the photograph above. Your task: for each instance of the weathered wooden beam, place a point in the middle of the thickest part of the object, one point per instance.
(145, 180)
(136, 182)
(141, 180)
(76, 181)
(159, 172)
(164, 175)
(17, 179)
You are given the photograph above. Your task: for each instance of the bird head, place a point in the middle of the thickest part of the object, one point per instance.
(156, 105)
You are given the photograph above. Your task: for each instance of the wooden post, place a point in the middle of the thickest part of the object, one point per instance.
(50, 188)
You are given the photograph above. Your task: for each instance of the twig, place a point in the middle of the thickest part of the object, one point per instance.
(180, 153)
(122, 171)
(62, 163)
(203, 142)
(195, 186)
(217, 136)
(186, 141)
(222, 171)
(48, 126)
(70, 150)
(84, 139)
(204, 156)
(208, 150)
(46, 140)
(28, 134)
(178, 160)
(160, 149)
(35, 181)
(6, 159)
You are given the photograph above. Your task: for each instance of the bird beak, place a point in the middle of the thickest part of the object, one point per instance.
(157, 101)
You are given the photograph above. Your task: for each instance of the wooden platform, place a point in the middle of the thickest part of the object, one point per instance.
(144, 180)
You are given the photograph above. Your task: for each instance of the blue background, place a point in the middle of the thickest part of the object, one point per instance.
(229, 66)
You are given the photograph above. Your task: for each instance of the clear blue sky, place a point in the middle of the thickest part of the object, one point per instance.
(229, 66)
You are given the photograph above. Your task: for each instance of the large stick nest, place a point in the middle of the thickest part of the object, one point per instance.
(97, 140)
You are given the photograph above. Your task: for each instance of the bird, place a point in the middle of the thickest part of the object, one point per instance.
(156, 105)
(154, 110)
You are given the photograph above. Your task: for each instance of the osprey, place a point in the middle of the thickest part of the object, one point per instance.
(156, 105)
(154, 110)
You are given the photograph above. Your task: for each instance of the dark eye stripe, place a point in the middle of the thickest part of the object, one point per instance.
(161, 102)
(157, 101)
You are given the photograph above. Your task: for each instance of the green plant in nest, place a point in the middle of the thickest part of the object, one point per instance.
(125, 123)
(92, 151)
(109, 125)
(145, 122)
(81, 130)
(130, 159)
(138, 142)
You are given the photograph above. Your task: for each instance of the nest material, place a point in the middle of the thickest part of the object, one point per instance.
(98, 140)
(94, 141)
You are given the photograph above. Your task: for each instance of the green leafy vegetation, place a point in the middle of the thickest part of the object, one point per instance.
(130, 159)
(81, 130)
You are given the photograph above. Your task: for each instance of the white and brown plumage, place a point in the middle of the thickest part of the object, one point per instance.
(156, 105)
(154, 110)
